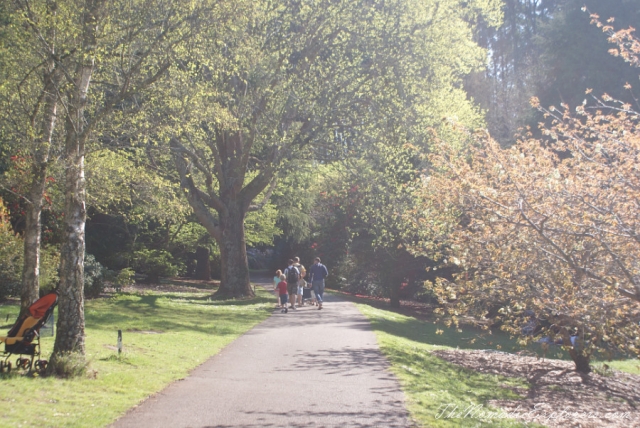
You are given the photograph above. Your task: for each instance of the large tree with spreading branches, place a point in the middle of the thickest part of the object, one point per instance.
(280, 85)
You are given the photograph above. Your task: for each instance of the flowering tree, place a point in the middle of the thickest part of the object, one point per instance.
(546, 232)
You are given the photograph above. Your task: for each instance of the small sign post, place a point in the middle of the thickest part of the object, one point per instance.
(119, 342)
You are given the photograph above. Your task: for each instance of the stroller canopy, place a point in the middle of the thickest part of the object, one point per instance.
(42, 305)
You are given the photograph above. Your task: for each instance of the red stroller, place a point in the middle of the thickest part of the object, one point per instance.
(24, 336)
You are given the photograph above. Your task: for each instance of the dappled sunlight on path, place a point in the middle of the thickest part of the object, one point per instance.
(305, 368)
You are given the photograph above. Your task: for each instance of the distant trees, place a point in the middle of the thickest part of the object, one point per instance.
(547, 49)
(361, 199)
(546, 232)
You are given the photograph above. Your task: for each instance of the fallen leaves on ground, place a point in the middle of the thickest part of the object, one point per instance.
(558, 395)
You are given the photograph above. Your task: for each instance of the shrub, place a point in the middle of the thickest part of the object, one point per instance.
(125, 278)
(67, 365)
(49, 268)
(94, 276)
(154, 263)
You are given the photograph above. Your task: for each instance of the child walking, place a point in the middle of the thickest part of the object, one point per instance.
(276, 280)
(282, 292)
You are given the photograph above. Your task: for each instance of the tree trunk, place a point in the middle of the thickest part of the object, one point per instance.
(32, 238)
(203, 267)
(233, 251)
(581, 361)
(227, 228)
(42, 148)
(70, 336)
(576, 351)
(70, 327)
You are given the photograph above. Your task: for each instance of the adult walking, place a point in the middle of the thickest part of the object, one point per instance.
(301, 281)
(293, 275)
(317, 273)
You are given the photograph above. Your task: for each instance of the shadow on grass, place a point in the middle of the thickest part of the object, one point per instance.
(465, 337)
(171, 312)
(151, 300)
(440, 335)
(118, 359)
(436, 385)
(439, 387)
(202, 285)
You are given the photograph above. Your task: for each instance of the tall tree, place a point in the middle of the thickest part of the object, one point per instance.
(574, 55)
(514, 70)
(127, 47)
(30, 101)
(264, 81)
(108, 55)
(545, 48)
(286, 81)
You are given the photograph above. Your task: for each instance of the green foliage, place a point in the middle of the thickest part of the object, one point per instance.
(49, 266)
(187, 235)
(124, 278)
(361, 230)
(294, 198)
(11, 255)
(154, 263)
(261, 226)
(94, 276)
(119, 183)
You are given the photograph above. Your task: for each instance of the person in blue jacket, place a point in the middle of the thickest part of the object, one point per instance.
(317, 273)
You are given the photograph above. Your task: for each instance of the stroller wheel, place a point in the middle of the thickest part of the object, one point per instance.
(23, 363)
(1, 366)
(41, 365)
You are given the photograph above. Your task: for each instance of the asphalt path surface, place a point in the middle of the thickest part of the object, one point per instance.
(306, 368)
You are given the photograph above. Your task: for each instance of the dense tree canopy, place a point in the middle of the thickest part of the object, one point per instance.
(82, 62)
(279, 84)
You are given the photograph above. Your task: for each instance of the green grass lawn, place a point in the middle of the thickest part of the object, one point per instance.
(434, 387)
(165, 335)
(630, 366)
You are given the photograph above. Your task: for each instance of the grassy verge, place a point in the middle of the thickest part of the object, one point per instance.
(629, 366)
(440, 394)
(471, 338)
(165, 335)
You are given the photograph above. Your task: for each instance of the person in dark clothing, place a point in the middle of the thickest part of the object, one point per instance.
(293, 276)
(317, 273)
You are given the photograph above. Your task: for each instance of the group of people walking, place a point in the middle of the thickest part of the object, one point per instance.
(291, 284)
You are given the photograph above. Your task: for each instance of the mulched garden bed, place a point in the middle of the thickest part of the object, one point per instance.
(558, 395)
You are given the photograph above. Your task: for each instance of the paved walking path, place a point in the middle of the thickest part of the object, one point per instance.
(307, 368)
